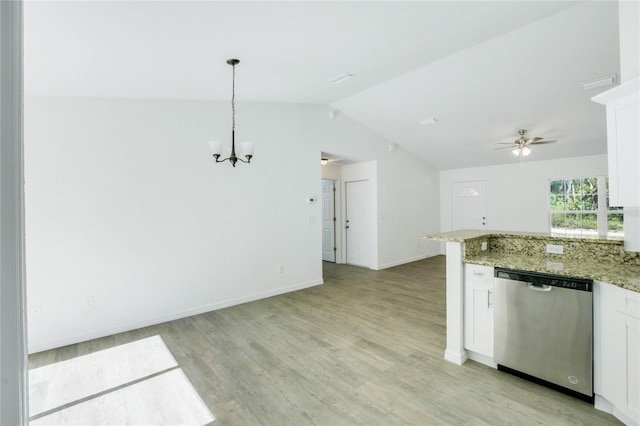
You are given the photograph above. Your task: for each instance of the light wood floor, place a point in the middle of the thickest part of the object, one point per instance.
(365, 348)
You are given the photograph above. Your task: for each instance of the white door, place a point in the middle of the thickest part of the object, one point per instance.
(328, 221)
(358, 223)
(469, 205)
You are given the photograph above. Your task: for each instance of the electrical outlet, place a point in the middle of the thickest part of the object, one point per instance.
(555, 249)
(281, 269)
(483, 246)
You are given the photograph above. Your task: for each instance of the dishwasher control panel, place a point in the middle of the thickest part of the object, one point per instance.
(539, 279)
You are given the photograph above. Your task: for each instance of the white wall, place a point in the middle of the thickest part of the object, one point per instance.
(407, 194)
(331, 171)
(125, 205)
(629, 20)
(405, 213)
(518, 193)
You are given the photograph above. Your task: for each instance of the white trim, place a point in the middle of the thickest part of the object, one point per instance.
(13, 351)
(408, 260)
(170, 317)
(601, 212)
(603, 404)
(481, 358)
(455, 351)
(456, 357)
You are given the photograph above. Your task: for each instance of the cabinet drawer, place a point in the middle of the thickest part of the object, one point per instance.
(626, 302)
(478, 274)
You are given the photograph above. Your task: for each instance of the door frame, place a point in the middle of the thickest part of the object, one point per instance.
(336, 222)
(452, 197)
(367, 170)
(373, 216)
(13, 325)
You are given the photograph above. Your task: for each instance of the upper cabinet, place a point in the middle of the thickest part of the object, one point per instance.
(623, 142)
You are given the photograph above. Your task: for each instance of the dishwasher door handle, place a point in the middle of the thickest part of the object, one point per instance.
(539, 287)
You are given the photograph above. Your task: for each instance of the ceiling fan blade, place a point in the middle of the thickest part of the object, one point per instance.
(534, 140)
(506, 143)
(541, 142)
(505, 147)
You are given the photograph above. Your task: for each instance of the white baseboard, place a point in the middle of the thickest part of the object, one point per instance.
(482, 359)
(455, 357)
(409, 260)
(603, 404)
(43, 346)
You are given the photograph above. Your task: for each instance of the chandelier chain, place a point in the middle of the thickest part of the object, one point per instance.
(233, 100)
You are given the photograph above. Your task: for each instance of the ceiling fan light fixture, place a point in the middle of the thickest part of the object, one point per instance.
(522, 151)
(324, 161)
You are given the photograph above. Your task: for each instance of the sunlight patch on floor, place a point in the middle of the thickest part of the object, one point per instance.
(134, 383)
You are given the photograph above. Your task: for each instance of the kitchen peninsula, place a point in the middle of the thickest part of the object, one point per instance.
(471, 258)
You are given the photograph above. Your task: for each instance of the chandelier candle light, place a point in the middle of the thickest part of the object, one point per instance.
(247, 147)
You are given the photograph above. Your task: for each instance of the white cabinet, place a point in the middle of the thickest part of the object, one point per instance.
(617, 351)
(623, 142)
(478, 312)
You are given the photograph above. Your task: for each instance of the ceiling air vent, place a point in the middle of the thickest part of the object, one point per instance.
(340, 78)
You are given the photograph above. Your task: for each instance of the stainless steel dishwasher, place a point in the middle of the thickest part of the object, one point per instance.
(544, 329)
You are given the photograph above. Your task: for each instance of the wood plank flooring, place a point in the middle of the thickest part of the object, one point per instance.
(364, 348)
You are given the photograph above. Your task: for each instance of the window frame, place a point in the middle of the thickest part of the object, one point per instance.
(602, 212)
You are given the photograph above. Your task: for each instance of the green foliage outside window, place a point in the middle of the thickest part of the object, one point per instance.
(575, 207)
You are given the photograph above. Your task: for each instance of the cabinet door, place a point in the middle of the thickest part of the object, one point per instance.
(478, 310)
(617, 348)
(623, 134)
(632, 329)
(610, 358)
(623, 131)
(631, 321)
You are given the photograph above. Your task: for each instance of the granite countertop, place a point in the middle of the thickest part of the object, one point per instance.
(625, 276)
(469, 234)
(597, 258)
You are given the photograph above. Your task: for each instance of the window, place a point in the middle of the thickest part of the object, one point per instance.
(581, 207)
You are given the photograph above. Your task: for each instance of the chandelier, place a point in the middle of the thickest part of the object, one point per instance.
(247, 147)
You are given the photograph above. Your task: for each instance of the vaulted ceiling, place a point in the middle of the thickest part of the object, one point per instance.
(483, 70)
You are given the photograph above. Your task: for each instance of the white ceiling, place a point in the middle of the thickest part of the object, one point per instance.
(483, 69)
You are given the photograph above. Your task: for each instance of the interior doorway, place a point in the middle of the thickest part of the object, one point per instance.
(358, 223)
(469, 205)
(329, 220)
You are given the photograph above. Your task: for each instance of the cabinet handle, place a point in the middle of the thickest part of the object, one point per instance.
(479, 273)
(488, 298)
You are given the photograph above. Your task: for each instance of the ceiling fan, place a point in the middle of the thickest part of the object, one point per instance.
(522, 144)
